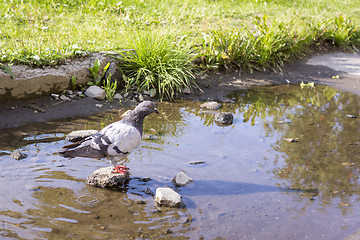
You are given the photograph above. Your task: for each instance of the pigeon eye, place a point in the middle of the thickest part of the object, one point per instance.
(149, 106)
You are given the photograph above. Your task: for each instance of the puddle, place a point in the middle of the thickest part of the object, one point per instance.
(250, 182)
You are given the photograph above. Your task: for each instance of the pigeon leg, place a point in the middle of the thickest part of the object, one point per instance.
(120, 169)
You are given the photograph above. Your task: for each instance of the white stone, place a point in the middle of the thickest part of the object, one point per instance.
(167, 197)
(95, 92)
(181, 179)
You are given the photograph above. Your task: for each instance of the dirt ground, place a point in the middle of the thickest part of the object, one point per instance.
(340, 70)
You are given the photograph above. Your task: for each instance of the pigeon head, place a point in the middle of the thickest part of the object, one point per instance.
(145, 108)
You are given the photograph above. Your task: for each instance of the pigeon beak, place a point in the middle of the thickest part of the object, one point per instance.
(155, 110)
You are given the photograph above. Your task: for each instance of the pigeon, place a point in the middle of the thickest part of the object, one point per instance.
(115, 141)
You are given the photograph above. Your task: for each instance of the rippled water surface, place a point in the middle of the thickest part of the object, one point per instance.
(253, 184)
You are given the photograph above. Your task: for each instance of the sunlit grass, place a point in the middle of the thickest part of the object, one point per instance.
(158, 61)
(248, 34)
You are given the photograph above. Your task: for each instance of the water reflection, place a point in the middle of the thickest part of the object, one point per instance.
(327, 156)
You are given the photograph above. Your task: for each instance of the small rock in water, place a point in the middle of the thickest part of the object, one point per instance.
(79, 135)
(213, 105)
(291, 140)
(99, 105)
(181, 179)
(196, 162)
(224, 118)
(18, 155)
(104, 177)
(167, 197)
(95, 92)
(149, 191)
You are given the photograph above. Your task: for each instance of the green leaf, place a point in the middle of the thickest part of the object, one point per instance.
(7, 70)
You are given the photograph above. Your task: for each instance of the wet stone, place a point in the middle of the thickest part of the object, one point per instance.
(224, 118)
(291, 140)
(79, 135)
(196, 162)
(149, 191)
(166, 197)
(18, 155)
(181, 179)
(213, 105)
(105, 178)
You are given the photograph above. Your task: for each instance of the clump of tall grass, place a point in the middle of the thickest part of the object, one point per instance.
(269, 45)
(156, 61)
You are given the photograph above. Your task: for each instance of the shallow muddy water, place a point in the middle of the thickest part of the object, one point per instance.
(253, 184)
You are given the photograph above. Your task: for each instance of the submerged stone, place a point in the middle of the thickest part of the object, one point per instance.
(79, 135)
(181, 179)
(213, 105)
(167, 197)
(224, 118)
(104, 177)
(17, 155)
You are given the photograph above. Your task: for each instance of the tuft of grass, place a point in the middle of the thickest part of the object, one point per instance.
(157, 61)
(269, 45)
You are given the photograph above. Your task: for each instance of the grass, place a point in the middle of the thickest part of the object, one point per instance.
(247, 34)
(158, 61)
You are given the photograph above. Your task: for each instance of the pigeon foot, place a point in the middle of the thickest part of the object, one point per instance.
(120, 169)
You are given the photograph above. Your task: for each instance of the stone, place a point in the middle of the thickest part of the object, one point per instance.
(105, 178)
(64, 98)
(140, 98)
(224, 118)
(118, 96)
(151, 92)
(95, 92)
(79, 135)
(181, 179)
(125, 113)
(55, 96)
(69, 92)
(186, 90)
(99, 105)
(167, 197)
(18, 155)
(213, 105)
(115, 73)
(196, 162)
(291, 140)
